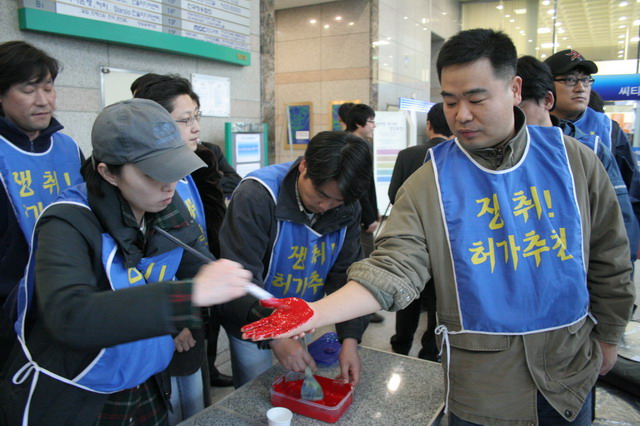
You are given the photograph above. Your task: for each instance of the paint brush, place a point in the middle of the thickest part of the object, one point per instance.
(252, 289)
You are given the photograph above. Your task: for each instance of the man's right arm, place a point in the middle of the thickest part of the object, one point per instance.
(245, 237)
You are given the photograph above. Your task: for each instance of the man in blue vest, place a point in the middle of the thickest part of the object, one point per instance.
(520, 228)
(296, 226)
(572, 79)
(36, 163)
(538, 99)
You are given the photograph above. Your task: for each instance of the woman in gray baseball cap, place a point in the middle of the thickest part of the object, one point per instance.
(111, 289)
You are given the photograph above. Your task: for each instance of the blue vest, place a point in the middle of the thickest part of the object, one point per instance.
(189, 193)
(33, 180)
(596, 123)
(122, 366)
(515, 237)
(301, 258)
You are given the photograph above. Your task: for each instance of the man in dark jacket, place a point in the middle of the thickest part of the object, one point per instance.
(409, 160)
(36, 163)
(296, 226)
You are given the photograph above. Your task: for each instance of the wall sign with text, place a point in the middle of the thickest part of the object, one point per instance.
(211, 29)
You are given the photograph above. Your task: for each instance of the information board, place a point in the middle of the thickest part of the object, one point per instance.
(156, 23)
(389, 137)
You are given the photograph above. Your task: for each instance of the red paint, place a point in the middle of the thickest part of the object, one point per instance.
(290, 313)
(338, 396)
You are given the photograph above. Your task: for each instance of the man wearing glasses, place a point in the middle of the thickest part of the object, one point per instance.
(572, 80)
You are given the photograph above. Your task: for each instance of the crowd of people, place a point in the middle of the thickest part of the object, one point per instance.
(106, 319)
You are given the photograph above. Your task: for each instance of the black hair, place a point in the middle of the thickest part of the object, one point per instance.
(341, 157)
(438, 121)
(145, 80)
(21, 62)
(358, 115)
(472, 45)
(92, 178)
(537, 79)
(596, 102)
(343, 110)
(164, 89)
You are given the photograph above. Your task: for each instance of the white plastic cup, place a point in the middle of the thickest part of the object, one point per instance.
(279, 416)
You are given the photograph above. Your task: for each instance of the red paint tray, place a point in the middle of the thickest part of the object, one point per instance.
(338, 396)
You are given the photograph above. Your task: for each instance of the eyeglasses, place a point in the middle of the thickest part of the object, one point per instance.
(572, 81)
(189, 121)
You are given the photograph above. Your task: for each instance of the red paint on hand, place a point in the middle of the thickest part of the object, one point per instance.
(290, 314)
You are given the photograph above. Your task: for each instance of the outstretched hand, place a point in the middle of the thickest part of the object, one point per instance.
(292, 317)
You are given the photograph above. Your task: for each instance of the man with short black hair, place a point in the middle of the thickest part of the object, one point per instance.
(296, 226)
(538, 100)
(521, 231)
(37, 162)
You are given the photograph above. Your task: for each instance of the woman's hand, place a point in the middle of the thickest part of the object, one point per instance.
(219, 282)
(292, 317)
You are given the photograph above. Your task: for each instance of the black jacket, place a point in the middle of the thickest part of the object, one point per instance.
(77, 313)
(408, 161)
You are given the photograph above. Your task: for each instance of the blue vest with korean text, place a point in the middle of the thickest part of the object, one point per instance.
(515, 237)
(596, 123)
(33, 180)
(189, 193)
(122, 366)
(301, 258)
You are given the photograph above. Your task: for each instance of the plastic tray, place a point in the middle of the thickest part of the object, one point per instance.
(338, 396)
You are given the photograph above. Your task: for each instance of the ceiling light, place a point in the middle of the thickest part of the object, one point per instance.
(620, 41)
(634, 39)
(561, 30)
(623, 4)
(507, 16)
(326, 26)
(312, 21)
(424, 20)
(380, 43)
(549, 45)
(543, 56)
(519, 11)
(351, 23)
(512, 20)
(406, 17)
(530, 41)
(564, 38)
(636, 22)
(544, 30)
(622, 26)
(338, 18)
(546, 3)
(621, 36)
(622, 18)
(557, 24)
(500, 7)
(620, 51)
(620, 56)
(551, 11)
(444, 13)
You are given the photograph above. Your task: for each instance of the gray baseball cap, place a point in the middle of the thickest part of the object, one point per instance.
(141, 132)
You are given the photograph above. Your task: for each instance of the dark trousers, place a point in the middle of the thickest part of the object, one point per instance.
(212, 330)
(407, 323)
